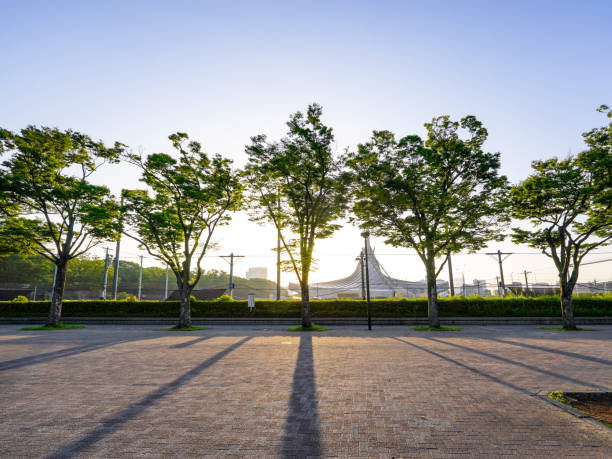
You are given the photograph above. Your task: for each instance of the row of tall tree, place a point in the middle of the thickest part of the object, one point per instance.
(438, 195)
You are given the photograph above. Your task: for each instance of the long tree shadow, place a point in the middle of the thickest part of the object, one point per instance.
(20, 340)
(191, 342)
(75, 350)
(49, 356)
(520, 364)
(302, 436)
(553, 351)
(109, 426)
(467, 367)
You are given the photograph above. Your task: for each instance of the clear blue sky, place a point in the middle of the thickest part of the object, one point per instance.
(533, 72)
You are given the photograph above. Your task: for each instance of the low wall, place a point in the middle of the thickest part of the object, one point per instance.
(324, 321)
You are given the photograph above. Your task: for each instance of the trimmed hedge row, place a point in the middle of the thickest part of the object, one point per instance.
(452, 307)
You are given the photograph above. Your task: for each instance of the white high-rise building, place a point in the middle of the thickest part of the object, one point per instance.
(258, 272)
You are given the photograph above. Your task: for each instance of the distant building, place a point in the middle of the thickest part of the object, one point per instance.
(479, 287)
(258, 272)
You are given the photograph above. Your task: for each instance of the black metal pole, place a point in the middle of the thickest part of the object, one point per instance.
(363, 293)
(367, 276)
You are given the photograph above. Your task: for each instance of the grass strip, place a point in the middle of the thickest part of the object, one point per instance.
(559, 396)
(441, 328)
(59, 327)
(313, 328)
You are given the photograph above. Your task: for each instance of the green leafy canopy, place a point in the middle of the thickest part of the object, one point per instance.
(188, 198)
(297, 183)
(48, 204)
(435, 196)
(568, 203)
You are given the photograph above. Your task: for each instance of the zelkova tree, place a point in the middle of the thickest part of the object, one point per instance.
(569, 205)
(298, 185)
(49, 206)
(438, 196)
(189, 198)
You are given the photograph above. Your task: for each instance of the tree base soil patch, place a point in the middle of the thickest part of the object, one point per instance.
(598, 405)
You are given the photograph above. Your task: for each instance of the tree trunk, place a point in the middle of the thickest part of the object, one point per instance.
(567, 309)
(432, 296)
(306, 320)
(55, 310)
(185, 311)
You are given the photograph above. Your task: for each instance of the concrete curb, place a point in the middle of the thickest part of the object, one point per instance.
(324, 321)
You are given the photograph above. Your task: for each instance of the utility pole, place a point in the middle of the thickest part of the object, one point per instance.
(499, 254)
(463, 279)
(526, 281)
(450, 274)
(499, 292)
(366, 235)
(140, 279)
(166, 289)
(116, 264)
(105, 275)
(363, 292)
(478, 286)
(230, 287)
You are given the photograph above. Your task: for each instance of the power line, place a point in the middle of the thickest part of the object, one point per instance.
(596, 261)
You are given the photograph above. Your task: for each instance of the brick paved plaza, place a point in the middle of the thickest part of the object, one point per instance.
(125, 391)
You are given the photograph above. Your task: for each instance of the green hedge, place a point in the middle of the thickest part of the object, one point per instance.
(452, 307)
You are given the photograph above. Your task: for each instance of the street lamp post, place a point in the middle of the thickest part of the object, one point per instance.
(360, 260)
(366, 235)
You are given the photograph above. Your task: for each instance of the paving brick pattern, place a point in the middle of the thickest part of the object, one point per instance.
(132, 391)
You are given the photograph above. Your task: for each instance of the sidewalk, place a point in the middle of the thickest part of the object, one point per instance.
(122, 391)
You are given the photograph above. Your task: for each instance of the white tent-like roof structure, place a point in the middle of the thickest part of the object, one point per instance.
(381, 283)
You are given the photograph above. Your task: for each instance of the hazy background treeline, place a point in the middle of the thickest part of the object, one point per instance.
(33, 275)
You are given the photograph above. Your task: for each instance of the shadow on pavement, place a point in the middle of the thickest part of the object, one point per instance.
(75, 350)
(111, 425)
(519, 364)
(467, 367)
(49, 356)
(302, 435)
(191, 342)
(553, 351)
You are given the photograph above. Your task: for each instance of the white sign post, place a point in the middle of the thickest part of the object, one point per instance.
(251, 301)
